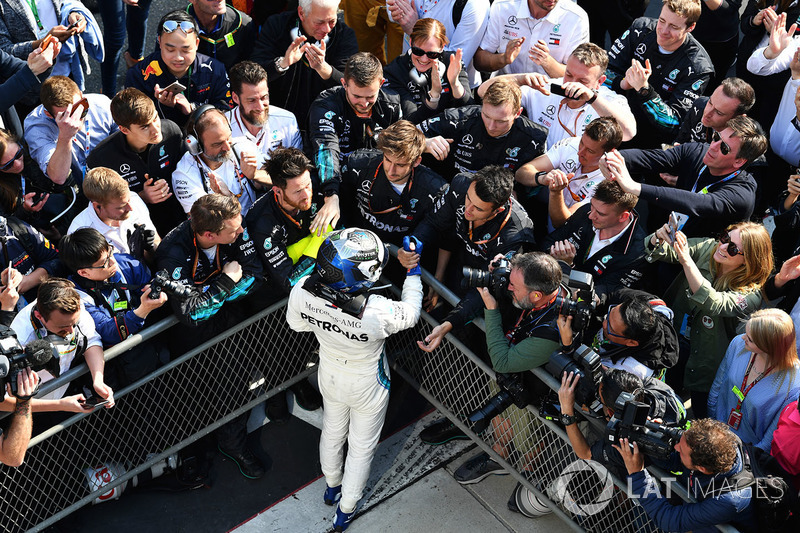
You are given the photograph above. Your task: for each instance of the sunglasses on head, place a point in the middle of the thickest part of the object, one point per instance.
(10, 163)
(170, 26)
(732, 249)
(723, 146)
(417, 51)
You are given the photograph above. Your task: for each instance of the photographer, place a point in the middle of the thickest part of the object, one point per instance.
(114, 290)
(713, 454)
(521, 334)
(14, 443)
(637, 334)
(664, 404)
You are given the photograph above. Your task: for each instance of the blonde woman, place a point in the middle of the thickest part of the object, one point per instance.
(757, 378)
(720, 285)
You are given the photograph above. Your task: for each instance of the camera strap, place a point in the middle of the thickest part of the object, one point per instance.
(532, 319)
(348, 303)
(119, 304)
(79, 341)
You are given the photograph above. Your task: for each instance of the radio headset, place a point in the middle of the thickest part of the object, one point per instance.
(193, 139)
(296, 32)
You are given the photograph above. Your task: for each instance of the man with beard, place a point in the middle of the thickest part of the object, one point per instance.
(145, 152)
(267, 126)
(212, 166)
(282, 224)
(350, 117)
(120, 216)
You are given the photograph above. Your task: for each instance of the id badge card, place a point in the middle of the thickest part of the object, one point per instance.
(734, 419)
(686, 328)
(769, 224)
(41, 33)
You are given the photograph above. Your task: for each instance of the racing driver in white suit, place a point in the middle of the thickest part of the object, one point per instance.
(351, 326)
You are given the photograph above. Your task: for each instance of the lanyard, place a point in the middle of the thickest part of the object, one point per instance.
(505, 221)
(32, 4)
(207, 179)
(196, 263)
(741, 394)
(391, 209)
(574, 125)
(704, 190)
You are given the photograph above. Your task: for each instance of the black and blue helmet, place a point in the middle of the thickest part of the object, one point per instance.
(351, 260)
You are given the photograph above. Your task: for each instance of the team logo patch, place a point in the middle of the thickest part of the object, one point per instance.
(556, 28)
(707, 321)
(124, 168)
(176, 274)
(622, 37)
(512, 20)
(674, 74)
(696, 85)
(413, 202)
(245, 235)
(467, 139)
(162, 152)
(267, 243)
(487, 236)
(605, 259)
(329, 115)
(152, 68)
(641, 49)
(512, 152)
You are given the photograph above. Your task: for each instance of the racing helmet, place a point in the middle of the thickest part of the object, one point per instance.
(351, 260)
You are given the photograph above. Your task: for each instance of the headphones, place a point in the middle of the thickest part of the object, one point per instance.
(193, 141)
(295, 32)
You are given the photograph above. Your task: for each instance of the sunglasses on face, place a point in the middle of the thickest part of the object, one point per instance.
(417, 51)
(170, 26)
(8, 165)
(732, 249)
(723, 146)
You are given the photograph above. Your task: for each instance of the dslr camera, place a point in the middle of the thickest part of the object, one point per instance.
(37, 355)
(630, 422)
(162, 282)
(496, 280)
(512, 390)
(580, 304)
(584, 362)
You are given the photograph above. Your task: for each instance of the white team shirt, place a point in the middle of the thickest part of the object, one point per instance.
(562, 29)
(190, 180)
(280, 130)
(350, 344)
(562, 121)
(27, 332)
(116, 235)
(564, 157)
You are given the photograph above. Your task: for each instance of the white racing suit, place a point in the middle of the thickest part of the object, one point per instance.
(353, 376)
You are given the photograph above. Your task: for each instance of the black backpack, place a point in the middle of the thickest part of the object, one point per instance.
(775, 502)
(458, 10)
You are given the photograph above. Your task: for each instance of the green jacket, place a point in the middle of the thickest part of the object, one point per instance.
(711, 315)
(525, 355)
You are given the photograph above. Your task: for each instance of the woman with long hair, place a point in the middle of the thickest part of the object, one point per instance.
(757, 378)
(428, 79)
(720, 285)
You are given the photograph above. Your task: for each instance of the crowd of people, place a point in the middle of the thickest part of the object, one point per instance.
(476, 130)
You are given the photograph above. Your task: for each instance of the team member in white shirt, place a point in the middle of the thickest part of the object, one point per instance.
(583, 81)
(115, 212)
(212, 166)
(267, 126)
(531, 36)
(572, 168)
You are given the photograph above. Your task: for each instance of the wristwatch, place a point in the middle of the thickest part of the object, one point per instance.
(278, 64)
(644, 91)
(567, 420)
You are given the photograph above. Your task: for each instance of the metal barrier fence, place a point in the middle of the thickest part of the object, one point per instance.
(228, 375)
(154, 418)
(536, 452)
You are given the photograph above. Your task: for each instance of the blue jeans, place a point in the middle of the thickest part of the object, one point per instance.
(114, 25)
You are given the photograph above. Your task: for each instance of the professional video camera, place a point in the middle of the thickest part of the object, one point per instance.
(584, 362)
(162, 281)
(580, 304)
(512, 390)
(630, 422)
(496, 280)
(39, 354)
